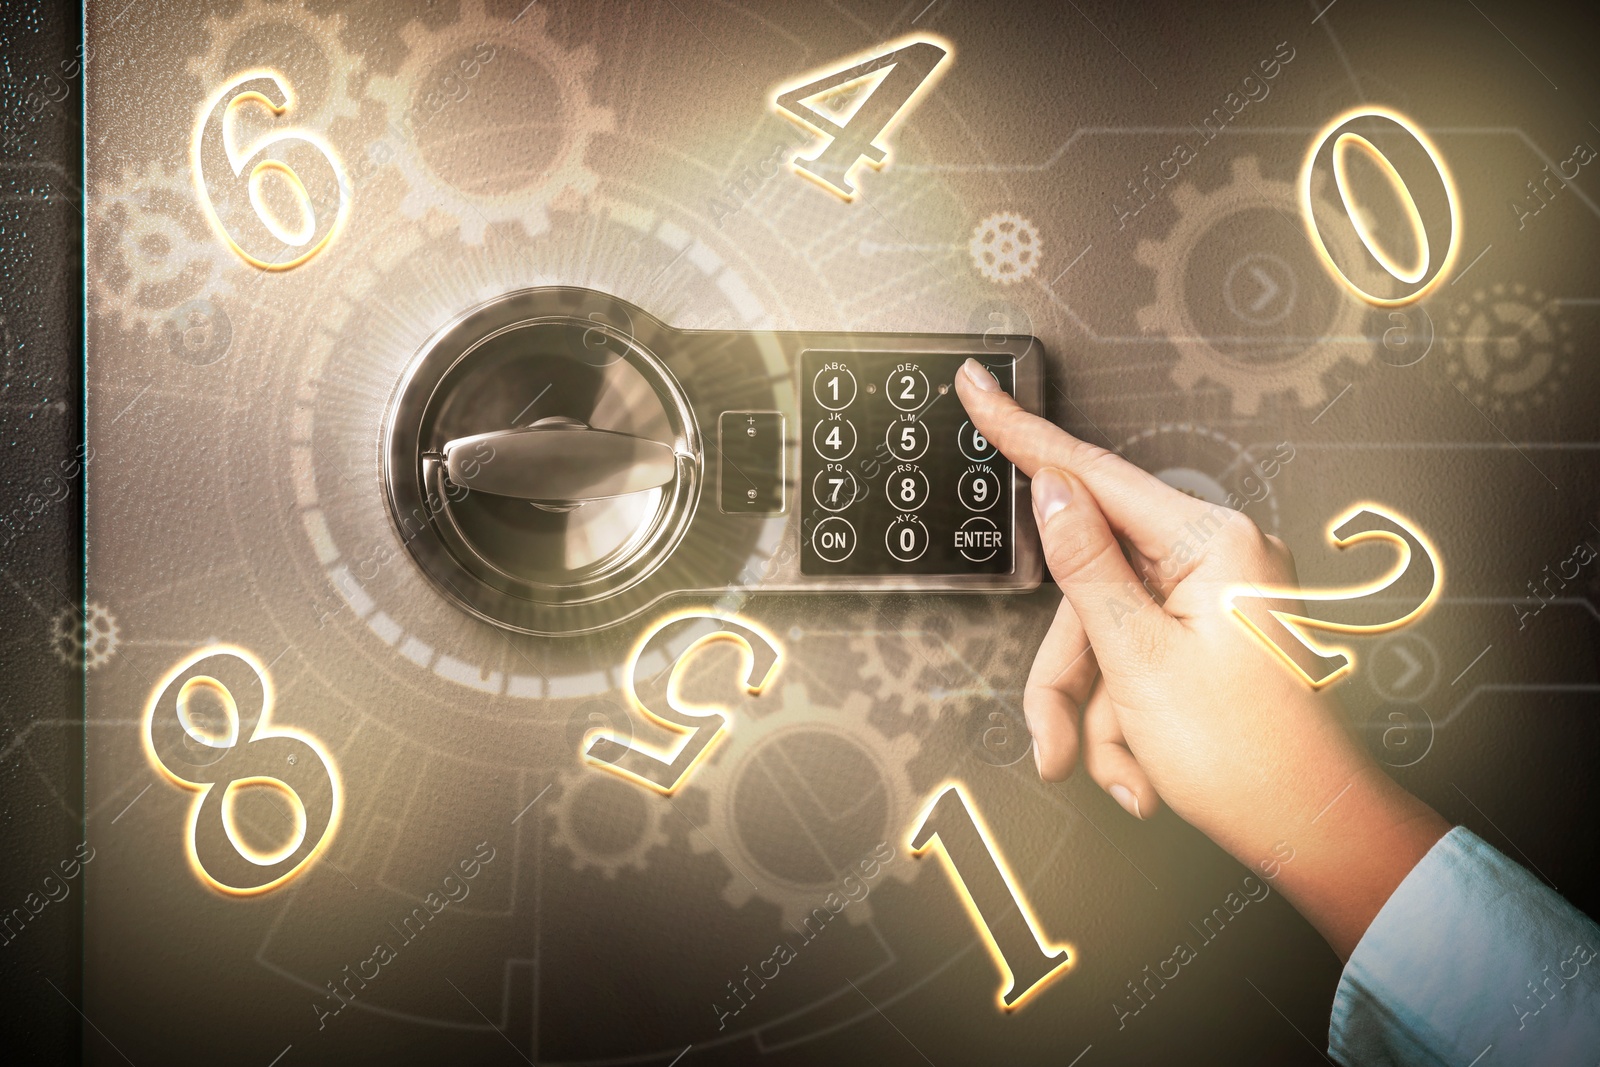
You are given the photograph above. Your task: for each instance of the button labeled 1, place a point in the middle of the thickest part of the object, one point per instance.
(834, 387)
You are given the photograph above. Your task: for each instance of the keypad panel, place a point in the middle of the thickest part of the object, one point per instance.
(894, 479)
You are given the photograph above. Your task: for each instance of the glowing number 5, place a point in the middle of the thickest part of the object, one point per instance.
(653, 675)
(1399, 597)
(907, 69)
(991, 896)
(1394, 283)
(231, 178)
(217, 759)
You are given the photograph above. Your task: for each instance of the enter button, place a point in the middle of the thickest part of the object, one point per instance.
(979, 539)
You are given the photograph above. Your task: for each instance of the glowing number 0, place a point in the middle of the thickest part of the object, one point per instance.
(661, 656)
(1427, 272)
(910, 67)
(247, 754)
(1413, 583)
(229, 178)
(991, 896)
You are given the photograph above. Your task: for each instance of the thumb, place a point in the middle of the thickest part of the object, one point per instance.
(1121, 620)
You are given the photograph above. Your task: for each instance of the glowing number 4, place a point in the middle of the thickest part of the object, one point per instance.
(898, 77)
(1397, 598)
(991, 896)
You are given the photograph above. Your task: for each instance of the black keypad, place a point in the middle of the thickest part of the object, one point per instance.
(894, 479)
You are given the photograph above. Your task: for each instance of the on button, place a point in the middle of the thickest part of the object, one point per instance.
(833, 539)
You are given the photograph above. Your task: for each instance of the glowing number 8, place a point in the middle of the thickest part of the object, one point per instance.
(244, 753)
(230, 178)
(1403, 284)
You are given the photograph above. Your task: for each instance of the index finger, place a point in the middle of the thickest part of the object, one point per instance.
(1137, 505)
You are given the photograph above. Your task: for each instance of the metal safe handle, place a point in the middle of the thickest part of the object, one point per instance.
(559, 461)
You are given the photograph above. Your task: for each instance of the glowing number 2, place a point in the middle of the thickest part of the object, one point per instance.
(230, 178)
(909, 67)
(245, 753)
(1413, 584)
(990, 895)
(661, 657)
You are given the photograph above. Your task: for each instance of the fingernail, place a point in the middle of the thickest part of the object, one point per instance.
(1130, 803)
(1051, 493)
(979, 375)
(1038, 758)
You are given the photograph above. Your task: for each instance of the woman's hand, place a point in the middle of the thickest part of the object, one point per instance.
(1149, 680)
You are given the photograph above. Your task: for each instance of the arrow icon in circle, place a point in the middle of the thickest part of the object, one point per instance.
(1269, 289)
(1413, 668)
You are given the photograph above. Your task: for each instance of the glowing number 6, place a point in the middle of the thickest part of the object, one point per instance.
(1334, 145)
(229, 177)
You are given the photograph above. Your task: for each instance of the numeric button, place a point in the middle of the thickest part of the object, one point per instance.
(907, 387)
(907, 440)
(906, 538)
(834, 439)
(974, 445)
(979, 488)
(835, 488)
(834, 387)
(907, 488)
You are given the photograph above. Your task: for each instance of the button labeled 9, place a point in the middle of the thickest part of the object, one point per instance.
(979, 488)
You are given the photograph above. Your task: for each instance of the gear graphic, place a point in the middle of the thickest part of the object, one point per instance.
(799, 796)
(158, 249)
(1508, 348)
(1298, 364)
(1005, 248)
(929, 659)
(303, 46)
(605, 821)
(86, 640)
(432, 63)
(1210, 466)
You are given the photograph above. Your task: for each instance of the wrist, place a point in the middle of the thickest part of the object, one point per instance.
(1351, 856)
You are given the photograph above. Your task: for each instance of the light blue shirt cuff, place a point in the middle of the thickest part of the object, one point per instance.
(1472, 961)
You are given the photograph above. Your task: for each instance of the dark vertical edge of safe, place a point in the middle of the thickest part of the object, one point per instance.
(41, 541)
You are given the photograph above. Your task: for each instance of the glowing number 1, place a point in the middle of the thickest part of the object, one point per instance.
(909, 68)
(990, 894)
